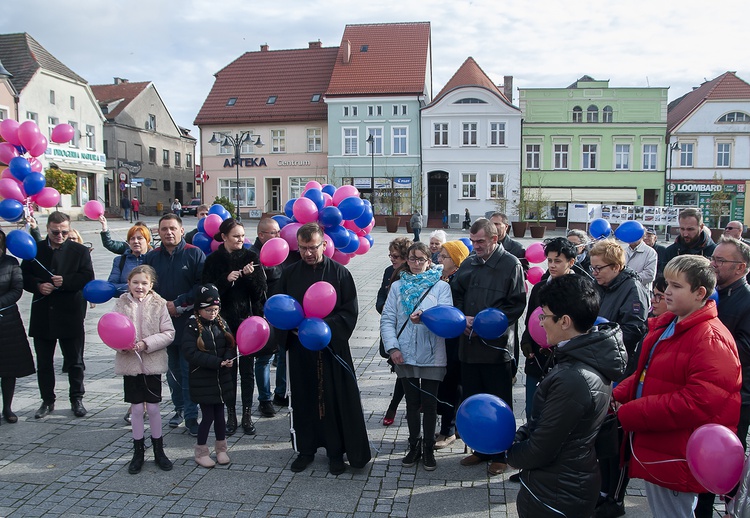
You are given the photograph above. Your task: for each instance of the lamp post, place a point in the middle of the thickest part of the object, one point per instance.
(371, 141)
(236, 142)
(674, 146)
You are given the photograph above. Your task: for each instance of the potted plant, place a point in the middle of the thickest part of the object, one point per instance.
(535, 202)
(389, 198)
(65, 183)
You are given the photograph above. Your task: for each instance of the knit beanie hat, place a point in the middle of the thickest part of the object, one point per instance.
(457, 250)
(206, 296)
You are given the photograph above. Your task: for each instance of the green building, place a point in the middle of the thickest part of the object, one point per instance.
(589, 143)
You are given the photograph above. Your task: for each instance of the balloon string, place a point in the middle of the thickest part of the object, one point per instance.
(430, 394)
(144, 374)
(43, 267)
(632, 451)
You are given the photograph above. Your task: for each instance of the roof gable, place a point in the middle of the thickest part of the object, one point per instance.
(470, 74)
(124, 91)
(382, 59)
(725, 86)
(22, 56)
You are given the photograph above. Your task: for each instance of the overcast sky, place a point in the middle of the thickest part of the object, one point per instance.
(180, 44)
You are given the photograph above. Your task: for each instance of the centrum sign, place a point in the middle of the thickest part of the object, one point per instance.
(75, 155)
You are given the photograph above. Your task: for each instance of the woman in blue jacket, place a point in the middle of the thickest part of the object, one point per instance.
(138, 238)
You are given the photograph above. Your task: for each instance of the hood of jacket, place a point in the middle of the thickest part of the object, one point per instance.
(623, 276)
(601, 348)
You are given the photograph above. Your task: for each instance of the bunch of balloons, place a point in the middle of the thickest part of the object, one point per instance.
(345, 217)
(208, 227)
(23, 183)
(450, 322)
(284, 312)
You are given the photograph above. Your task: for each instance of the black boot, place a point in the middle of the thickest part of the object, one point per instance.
(428, 455)
(160, 458)
(415, 453)
(247, 421)
(231, 420)
(137, 463)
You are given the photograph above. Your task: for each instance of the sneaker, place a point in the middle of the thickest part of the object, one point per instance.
(428, 457)
(192, 426)
(443, 441)
(413, 455)
(266, 409)
(301, 462)
(176, 419)
(280, 401)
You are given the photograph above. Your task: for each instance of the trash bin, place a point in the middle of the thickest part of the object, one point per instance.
(159, 208)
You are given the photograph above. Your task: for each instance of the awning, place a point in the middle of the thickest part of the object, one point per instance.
(551, 193)
(604, 195)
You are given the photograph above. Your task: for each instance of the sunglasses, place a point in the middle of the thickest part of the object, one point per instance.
(58, 232)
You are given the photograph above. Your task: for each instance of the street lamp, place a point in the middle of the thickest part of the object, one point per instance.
(674, 146)
(236, 142)
(371, 140)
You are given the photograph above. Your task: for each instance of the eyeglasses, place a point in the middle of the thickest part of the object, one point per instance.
(394, 256)
(721, 261)
(657, 297)
(418, 260)
(310, 249)
(542, 316)
(598, 269)
(58, 232)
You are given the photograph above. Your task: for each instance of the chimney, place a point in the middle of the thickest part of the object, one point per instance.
(315, 44)
(508, 87)
(120, 80)
(347, 52)
(264, 47)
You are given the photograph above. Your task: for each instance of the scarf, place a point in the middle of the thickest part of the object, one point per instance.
(414, 285)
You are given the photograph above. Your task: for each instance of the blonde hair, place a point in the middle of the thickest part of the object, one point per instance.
(610, 251)
(146, 270)
(697, 270)
(75, 236)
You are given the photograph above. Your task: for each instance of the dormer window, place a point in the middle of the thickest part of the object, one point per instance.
(364, 48)
(470, 100)
(271, 99)
(735, 117)
(231, 101)
(315, 98)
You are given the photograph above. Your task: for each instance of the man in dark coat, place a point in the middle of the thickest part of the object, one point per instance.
(694, 238)
(125, 205)
(324, 396)
(58, 309)
(555, 448)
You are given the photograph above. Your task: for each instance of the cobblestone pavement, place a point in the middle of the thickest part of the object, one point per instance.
(62, 465)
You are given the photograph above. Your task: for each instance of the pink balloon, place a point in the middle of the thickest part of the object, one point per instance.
(534, 274)
(7, 174)
(62, 133)
(344, 192)
(274, 252)
(537, 332)
(715, 457)
(93, 209)
(211, 224)
(11, 190)
(9, 131)
(535, 253)
(312, 184)
(36, 165)
(47, 197)
(39, 147)
(330, 248)
(28, 134)
(351, 225)
(364, 246)
(7, 151)
(305, 210)
(327, 199)
(341, 257)
(289, 234)
(117, 331)
(215, 245)
(252, 335)
(319, 300)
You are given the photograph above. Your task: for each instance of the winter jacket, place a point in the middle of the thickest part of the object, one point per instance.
(116, 247)
(514, 247)
(642, 260)
(705, 247)
(153, 326)
(418, 345)
(177, 273)
(121, 267)
(496, 283)
(385, 286)
(693, 379)
(555, 449)
(210, 383)
(416, 220)
(734, 313)
(15, 355)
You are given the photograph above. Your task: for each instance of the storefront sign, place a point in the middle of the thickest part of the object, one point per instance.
(131, 167)
(68, 155)
(363, 183)
(246, 162)
(293, 163)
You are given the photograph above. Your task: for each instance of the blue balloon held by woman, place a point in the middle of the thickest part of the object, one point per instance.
(486, 423)
(21, 244)
(203, 241)
(99, 291)
(314, 334)
(444, 321)
(490, 323)
(219, 210)
(283, 312)
(630, 231)
(600, 228)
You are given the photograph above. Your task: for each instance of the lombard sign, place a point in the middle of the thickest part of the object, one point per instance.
(246, 162)
(697, 187)
(75, 155)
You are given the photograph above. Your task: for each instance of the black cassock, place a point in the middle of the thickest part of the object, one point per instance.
(324, 396)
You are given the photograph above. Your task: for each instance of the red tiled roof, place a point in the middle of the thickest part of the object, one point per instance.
(387, 58)
(470, 74)
(725, 86)
(293, 76)
(126, 91)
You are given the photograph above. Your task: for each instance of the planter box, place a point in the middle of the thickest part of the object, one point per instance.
(391, 223)
(519, 228)
(537, 231)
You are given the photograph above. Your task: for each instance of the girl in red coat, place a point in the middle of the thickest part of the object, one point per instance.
(688, 375)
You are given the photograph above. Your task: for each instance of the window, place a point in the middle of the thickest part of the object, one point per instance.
(3, 114)
(315, 98)
(52, 97)
(377, 140)
(497, 186)
(403, 109)
(177, 159)
(497, 133)
(589, 156)
(297, 185)
(122, 149)
(470, 100)
(189, 187)
(167, 186)
(351, 136)
(395, 109)
(533, 154)
(271, 99)
(152, 155)
(469, 134)
(165, 157)
(468, 185)
(247, 147)
(231, 101)
(723, 152)
(51, 123)
(189, 160)
(592, 114)
(622, 156)
(686, 155)
(607, 114)
(151, 122)
(138, 153)
(106, 149)
(355, 111)
(76, 134)
(577, 114)
(278, 141)
(228, 188)
(735, 117)
(399, 141)
(441, 133)
(346, 111)
(561, 156)
(649, 157)
(90, 137)
(72, 103)
(314, 140)
(154, 186)
(32, 116)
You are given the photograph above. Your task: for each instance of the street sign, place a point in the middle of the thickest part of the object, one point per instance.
(122, 186)
(123, 177)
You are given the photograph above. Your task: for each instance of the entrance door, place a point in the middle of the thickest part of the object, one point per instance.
(273, 195)
(650, 196)
(179, 194)
(437, 194)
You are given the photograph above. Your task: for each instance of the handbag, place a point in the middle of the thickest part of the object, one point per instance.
(607, 442)
(383, 352)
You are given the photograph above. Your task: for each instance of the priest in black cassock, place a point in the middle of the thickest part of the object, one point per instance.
(324, 396)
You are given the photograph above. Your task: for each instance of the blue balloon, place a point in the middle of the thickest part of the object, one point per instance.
(283, 312)
(486, 423)
(330, 217)
(353, 243)
(289, 207)
(629, 232)
(365, 219)
(339, 236)
(316, 195)
(281, 220)
(490, 323)
(367, 202)
(99, 291)
(21, 150)
(714, 296)
(219, 210)
(202, 222)
(203, 241)
(11, 210)
(600, 228)
(370, 239)
(21, 244)
(33, 183)
(445, 321)
(314, 334)
(328, 189)
(19, 167)
(467, 242)
(352, 207)
(600, 320)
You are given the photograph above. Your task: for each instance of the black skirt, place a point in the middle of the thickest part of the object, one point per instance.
(143, 388)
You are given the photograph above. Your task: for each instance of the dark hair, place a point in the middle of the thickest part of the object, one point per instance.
(57, 217)
(421, 247)
(691, 212)
(660, 283)
(308, 230)
(558, 293)
(2, 243)
(562, 246)
(484, 224)
(500, 215)
(226, 226)
(170, 216)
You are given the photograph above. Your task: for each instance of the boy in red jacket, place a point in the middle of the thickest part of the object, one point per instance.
(688, 375)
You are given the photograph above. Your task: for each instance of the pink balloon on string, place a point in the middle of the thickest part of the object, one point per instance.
(9, 131)
(252, 335)
(537, 332)
(36, 165)
(28, 134)
(344, 192)
(47, 197)
(39, 147)
(215, 245)
(319, 300)
(8, 152)
(715, 457)
(312, 184)
(327, 199)
(274, 252)
(341, 258)
(62, 133)
(535, 253)
(534, 274)
(364, 246)
(10, 189)
(330, 248)
(211, 224)
(116, 331)
(93, 209)
(289, 234)
(305, 210)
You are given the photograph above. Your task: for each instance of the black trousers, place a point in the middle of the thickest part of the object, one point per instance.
(488, 378)
(421, 392)
(72, 351)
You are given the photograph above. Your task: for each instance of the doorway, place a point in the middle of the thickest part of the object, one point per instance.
(273, 195)
(437, 194)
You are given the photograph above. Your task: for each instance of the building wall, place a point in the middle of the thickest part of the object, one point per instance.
(7, 105)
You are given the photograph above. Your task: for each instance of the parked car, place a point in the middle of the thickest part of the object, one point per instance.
(192, 209)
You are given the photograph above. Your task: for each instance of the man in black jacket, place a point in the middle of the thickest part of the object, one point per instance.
(694, 238)
(56, 279)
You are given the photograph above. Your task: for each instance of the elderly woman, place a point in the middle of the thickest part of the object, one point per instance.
(437, 238)
(418, 353)
(581, 241)
(15, 355)
(138, 239)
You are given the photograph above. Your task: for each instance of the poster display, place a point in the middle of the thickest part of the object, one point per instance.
(648, 215)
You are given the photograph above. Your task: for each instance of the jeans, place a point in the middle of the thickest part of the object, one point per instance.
(531, 383)
(252, 370)
(127, 214)
(263, 376)
(177, 379)
(281, 372)
(416, 231)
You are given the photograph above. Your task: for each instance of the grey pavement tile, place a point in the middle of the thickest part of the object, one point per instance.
(216, 486)
(321, 494)
(39, 468)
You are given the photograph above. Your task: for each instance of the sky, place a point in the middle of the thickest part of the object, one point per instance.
(180, 44)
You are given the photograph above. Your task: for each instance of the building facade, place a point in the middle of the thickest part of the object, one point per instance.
(8, 96)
